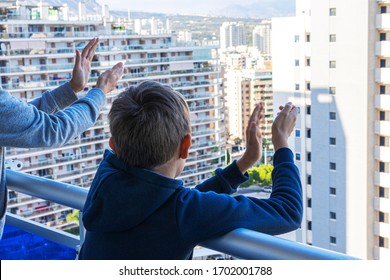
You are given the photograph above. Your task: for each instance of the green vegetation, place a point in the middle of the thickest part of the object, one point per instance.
(259, 176)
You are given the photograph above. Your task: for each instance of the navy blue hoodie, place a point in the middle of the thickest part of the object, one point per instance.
(134, 213)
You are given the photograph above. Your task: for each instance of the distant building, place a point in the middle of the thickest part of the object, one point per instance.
(232, 34)
(261, 37)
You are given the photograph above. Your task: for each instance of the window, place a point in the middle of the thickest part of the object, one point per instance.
(297, 156)
(308, 109)
(332, 38)
(381, 166)
(332, 215)
(309, 202)
(307, 37)
(381, 217)
(332, 240)
(332, 165)
(309, 156)
(309, 179)
(308, 133)
(296, 62)
(332, 191)
(382, 116)
(381, 242)
(383, 63)
(332, 12)
(382, 192)
(297, 133)
(296, 38)
(296, 86)
(332, 115)
(308, 86)
(382, 141)
(309, 225)
(382, 89)
(332, 90)
(332, 64)
(332, 141)
(383, 10)
(382, 36)
(307, 61)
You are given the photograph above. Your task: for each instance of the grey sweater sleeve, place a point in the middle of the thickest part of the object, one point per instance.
(24, 125)
(57, 99)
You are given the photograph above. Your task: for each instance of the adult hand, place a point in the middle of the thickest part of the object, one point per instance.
(82, 66)
(253, 140)
(109, 79)
(283, 125)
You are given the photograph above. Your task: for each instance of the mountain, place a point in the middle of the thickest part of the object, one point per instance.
(91, 5)
(258, 9)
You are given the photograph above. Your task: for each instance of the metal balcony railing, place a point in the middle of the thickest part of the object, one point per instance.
(240, 243)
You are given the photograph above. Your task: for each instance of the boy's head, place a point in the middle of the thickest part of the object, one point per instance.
(148, 123)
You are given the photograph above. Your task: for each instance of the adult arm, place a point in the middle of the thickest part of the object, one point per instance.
(25, 126)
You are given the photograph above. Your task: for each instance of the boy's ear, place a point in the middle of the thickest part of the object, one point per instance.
(185, 146)
(111, 144)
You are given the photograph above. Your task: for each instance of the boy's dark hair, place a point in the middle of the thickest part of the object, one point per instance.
(148, 123)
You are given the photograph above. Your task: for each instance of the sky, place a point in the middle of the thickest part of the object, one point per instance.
(176, 6)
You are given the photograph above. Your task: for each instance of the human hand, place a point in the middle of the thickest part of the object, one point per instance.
(253, 140)
(283, 125)
(109, 79)
(82, 66)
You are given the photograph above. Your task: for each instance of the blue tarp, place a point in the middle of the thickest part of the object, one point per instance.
(18, 244)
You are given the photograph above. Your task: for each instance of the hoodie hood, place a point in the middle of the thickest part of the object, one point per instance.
(121, 197)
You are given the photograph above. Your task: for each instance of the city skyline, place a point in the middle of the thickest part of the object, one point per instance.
(203, 7)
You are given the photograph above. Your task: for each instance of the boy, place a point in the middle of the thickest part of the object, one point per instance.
(136, 209)
(42, 123)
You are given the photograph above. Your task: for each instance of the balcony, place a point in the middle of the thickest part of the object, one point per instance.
(382, 179)
(241, 243)
(382, 102)
(382, 75)
(383, 21)
(382, 128)
(382, 154)
(383, 205)
(382, 48)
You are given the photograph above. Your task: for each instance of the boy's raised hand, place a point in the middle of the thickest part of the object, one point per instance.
(253, 140)
(82, 66)
(283, 125)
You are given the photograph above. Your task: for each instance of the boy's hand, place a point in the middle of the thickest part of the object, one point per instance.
(82, 66)
(253, 140)
(109, 79)
(283, 125)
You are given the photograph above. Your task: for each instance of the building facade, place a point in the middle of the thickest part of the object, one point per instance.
(37, 51)
(232, 34)
(331, 60)
(262, 36)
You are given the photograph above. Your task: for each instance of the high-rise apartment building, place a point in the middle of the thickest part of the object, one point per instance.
(232, 34)
(332, 60)
(261, 36)
(37, 51)
(243, 90)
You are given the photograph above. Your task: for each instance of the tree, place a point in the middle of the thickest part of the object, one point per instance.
(73, 217)
(237, 141)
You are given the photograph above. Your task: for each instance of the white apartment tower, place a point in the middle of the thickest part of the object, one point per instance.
(261, 36)
(232, 34)
(37, 55)
(333, 60)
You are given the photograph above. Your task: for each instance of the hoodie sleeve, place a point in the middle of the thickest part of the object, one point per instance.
(23, 125)
(225, 180)
(207, 215)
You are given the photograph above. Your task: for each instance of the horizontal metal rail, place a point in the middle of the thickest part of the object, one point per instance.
(240, 243)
